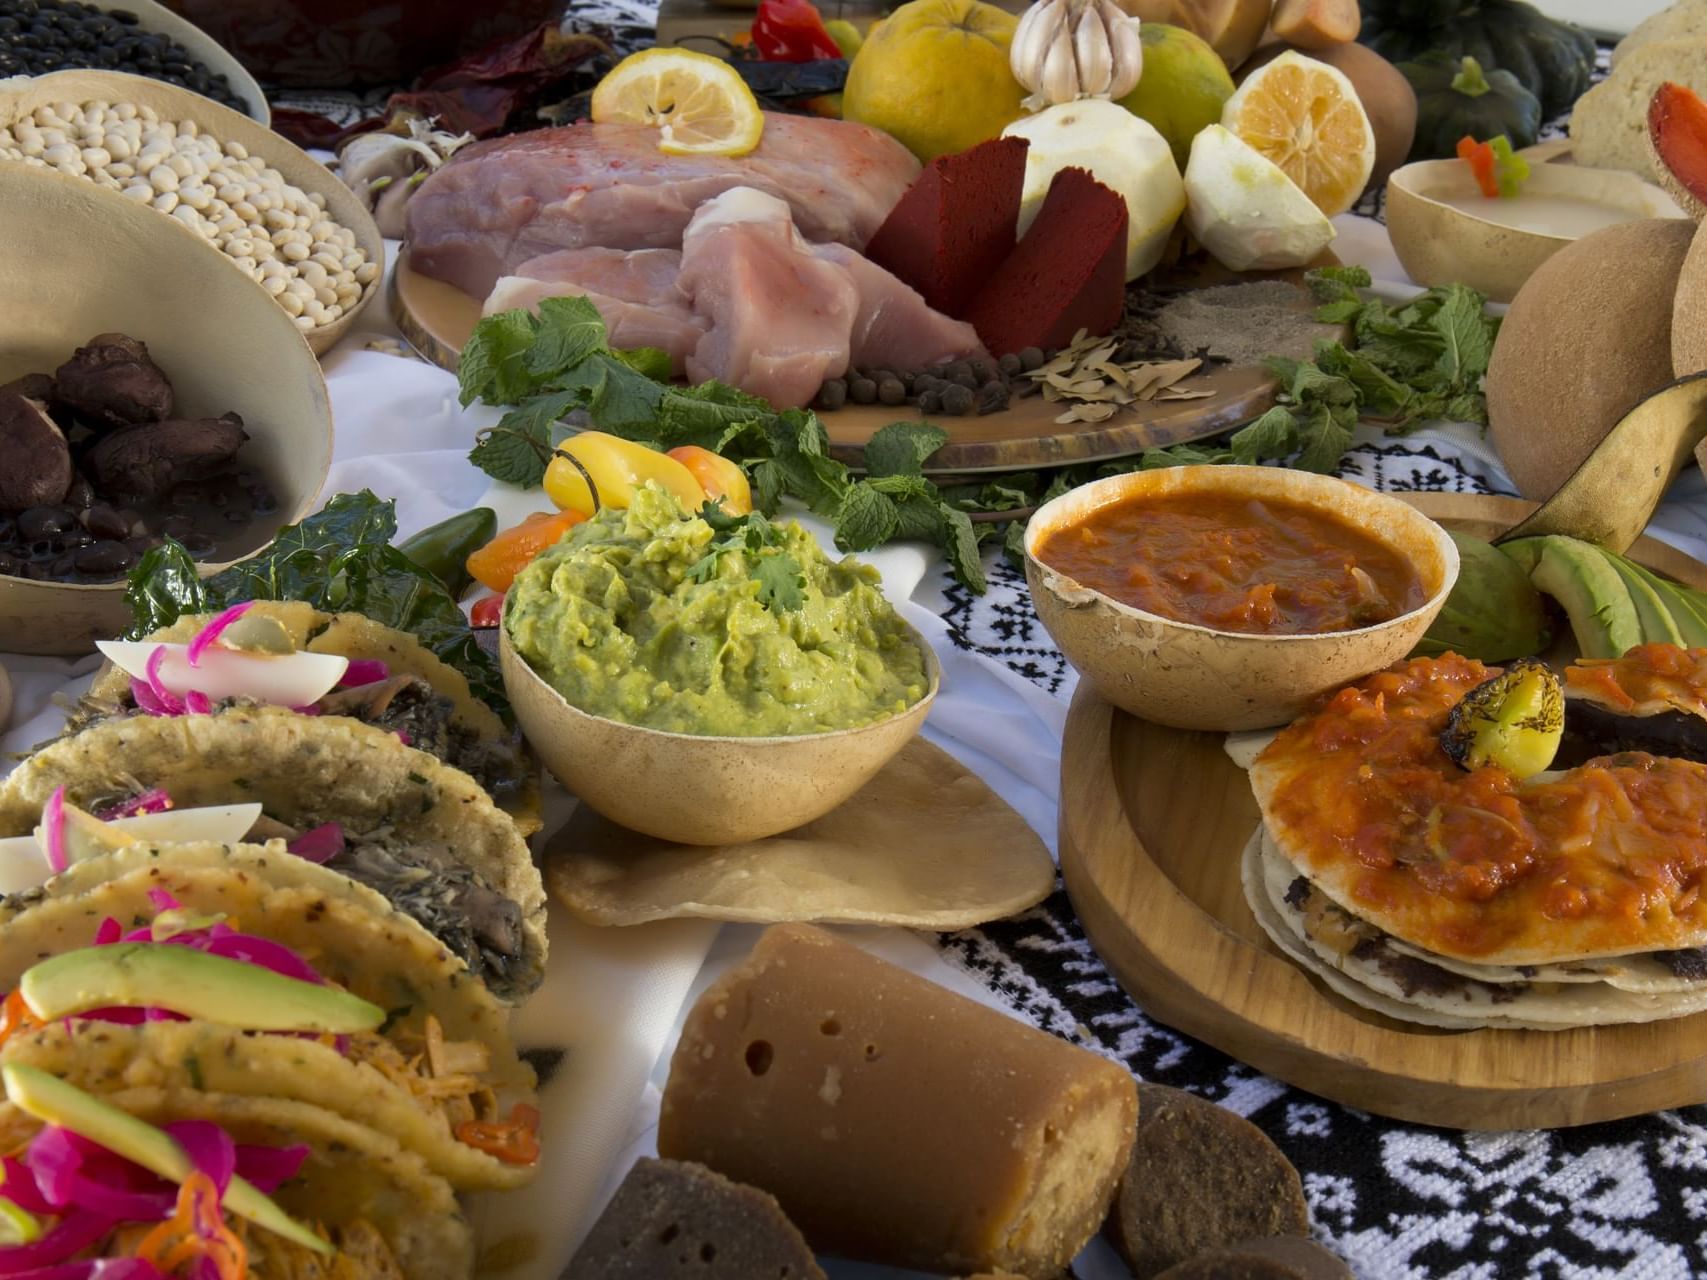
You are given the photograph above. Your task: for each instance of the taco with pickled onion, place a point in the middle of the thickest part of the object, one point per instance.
(425, 836)
(151, 1184)
(245, 970)
(288, 653)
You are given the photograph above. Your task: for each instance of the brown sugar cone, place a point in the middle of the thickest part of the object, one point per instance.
(895, 1121)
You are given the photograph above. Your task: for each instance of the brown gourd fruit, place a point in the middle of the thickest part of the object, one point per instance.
(1587, 337)
(1689, 311)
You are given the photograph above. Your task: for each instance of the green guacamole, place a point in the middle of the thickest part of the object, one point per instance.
(611, 619)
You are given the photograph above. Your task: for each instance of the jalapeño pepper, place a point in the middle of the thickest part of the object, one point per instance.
(443, 549)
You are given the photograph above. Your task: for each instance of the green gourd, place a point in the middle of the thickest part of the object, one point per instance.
(1553, 60)
(1455, 98)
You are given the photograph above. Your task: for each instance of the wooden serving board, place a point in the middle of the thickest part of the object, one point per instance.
(437, 320)
(1153, 822)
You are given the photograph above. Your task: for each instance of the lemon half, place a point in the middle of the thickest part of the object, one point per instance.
(1305, 117)
(699, 104)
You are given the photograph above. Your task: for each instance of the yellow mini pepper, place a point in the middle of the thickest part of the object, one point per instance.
(595, 469)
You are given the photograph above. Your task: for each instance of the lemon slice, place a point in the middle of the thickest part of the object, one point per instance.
(699, 104)
(1304, 116)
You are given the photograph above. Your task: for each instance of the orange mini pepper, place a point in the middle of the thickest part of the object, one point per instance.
(497, 563)
(16, 1015)
(718, 476)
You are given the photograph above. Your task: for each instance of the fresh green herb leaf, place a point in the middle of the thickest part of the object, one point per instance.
(646, 360)
(782, 585)
(866, 518)
(517, 450)
(960, 540)
(493, 365)
(570, 330)
(1274, 435)
(901, 448)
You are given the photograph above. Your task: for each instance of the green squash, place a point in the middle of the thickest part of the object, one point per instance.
(1553, 60)
(1455, 98)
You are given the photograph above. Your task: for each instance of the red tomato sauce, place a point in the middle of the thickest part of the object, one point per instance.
(1608, 856)
(1259, 566)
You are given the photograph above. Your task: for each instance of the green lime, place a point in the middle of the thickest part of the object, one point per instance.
(1183, 88)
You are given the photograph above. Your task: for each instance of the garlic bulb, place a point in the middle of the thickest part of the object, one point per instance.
(384, 168)
(1063, 50)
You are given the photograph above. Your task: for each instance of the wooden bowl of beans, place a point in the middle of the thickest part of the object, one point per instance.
(274, 212)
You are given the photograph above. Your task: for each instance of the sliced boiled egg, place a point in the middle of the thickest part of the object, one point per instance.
(23, 862)
(289, 680)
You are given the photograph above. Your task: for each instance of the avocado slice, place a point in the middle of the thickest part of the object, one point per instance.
(54, 1101)
(1651, 610)
(1526, 551)
(1688, 608)
(1593, 595)
(193, 983)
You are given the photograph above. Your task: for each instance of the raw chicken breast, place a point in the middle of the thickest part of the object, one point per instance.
(780, 315)
(496, 204)
(634, 290)
(895, 327)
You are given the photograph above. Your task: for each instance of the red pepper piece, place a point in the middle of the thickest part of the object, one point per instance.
(1480, 157)
(513, 1142)
(1677, 122)
(792, 31)
(488, 611)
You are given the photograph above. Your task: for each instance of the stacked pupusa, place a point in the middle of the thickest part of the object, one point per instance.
(258, 891)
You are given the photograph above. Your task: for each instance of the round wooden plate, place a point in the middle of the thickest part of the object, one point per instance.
(437, 319)
(1153, 822)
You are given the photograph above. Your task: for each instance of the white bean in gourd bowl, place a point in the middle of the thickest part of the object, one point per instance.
(274, 212)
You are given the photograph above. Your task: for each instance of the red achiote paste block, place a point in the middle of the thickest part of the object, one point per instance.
(955, 224)
(1068, 272)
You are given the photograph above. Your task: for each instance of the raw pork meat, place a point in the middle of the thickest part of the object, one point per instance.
(896, 328)
(780, 315)
(634, 290)
(497, 204)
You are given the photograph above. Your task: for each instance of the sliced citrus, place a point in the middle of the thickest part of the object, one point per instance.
(699, 104)
(1305, 117)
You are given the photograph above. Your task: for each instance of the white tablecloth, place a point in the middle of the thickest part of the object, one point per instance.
(616, 997)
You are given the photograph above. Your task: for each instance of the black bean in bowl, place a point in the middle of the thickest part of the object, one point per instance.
(40, 36)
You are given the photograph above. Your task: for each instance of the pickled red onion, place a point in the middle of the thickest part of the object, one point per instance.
(171, 703)
(68, 1237)
(209, 1148)
(92, 1269)
(154, 800)
(207, 635)
(364, 671)
(197, 703)
(53, 836)
(319, 844)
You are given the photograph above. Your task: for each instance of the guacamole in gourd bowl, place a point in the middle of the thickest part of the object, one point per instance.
(709, 679)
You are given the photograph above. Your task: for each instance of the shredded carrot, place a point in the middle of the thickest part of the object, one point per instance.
(196, 1230)
(514, 1142)
(16, 1015)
